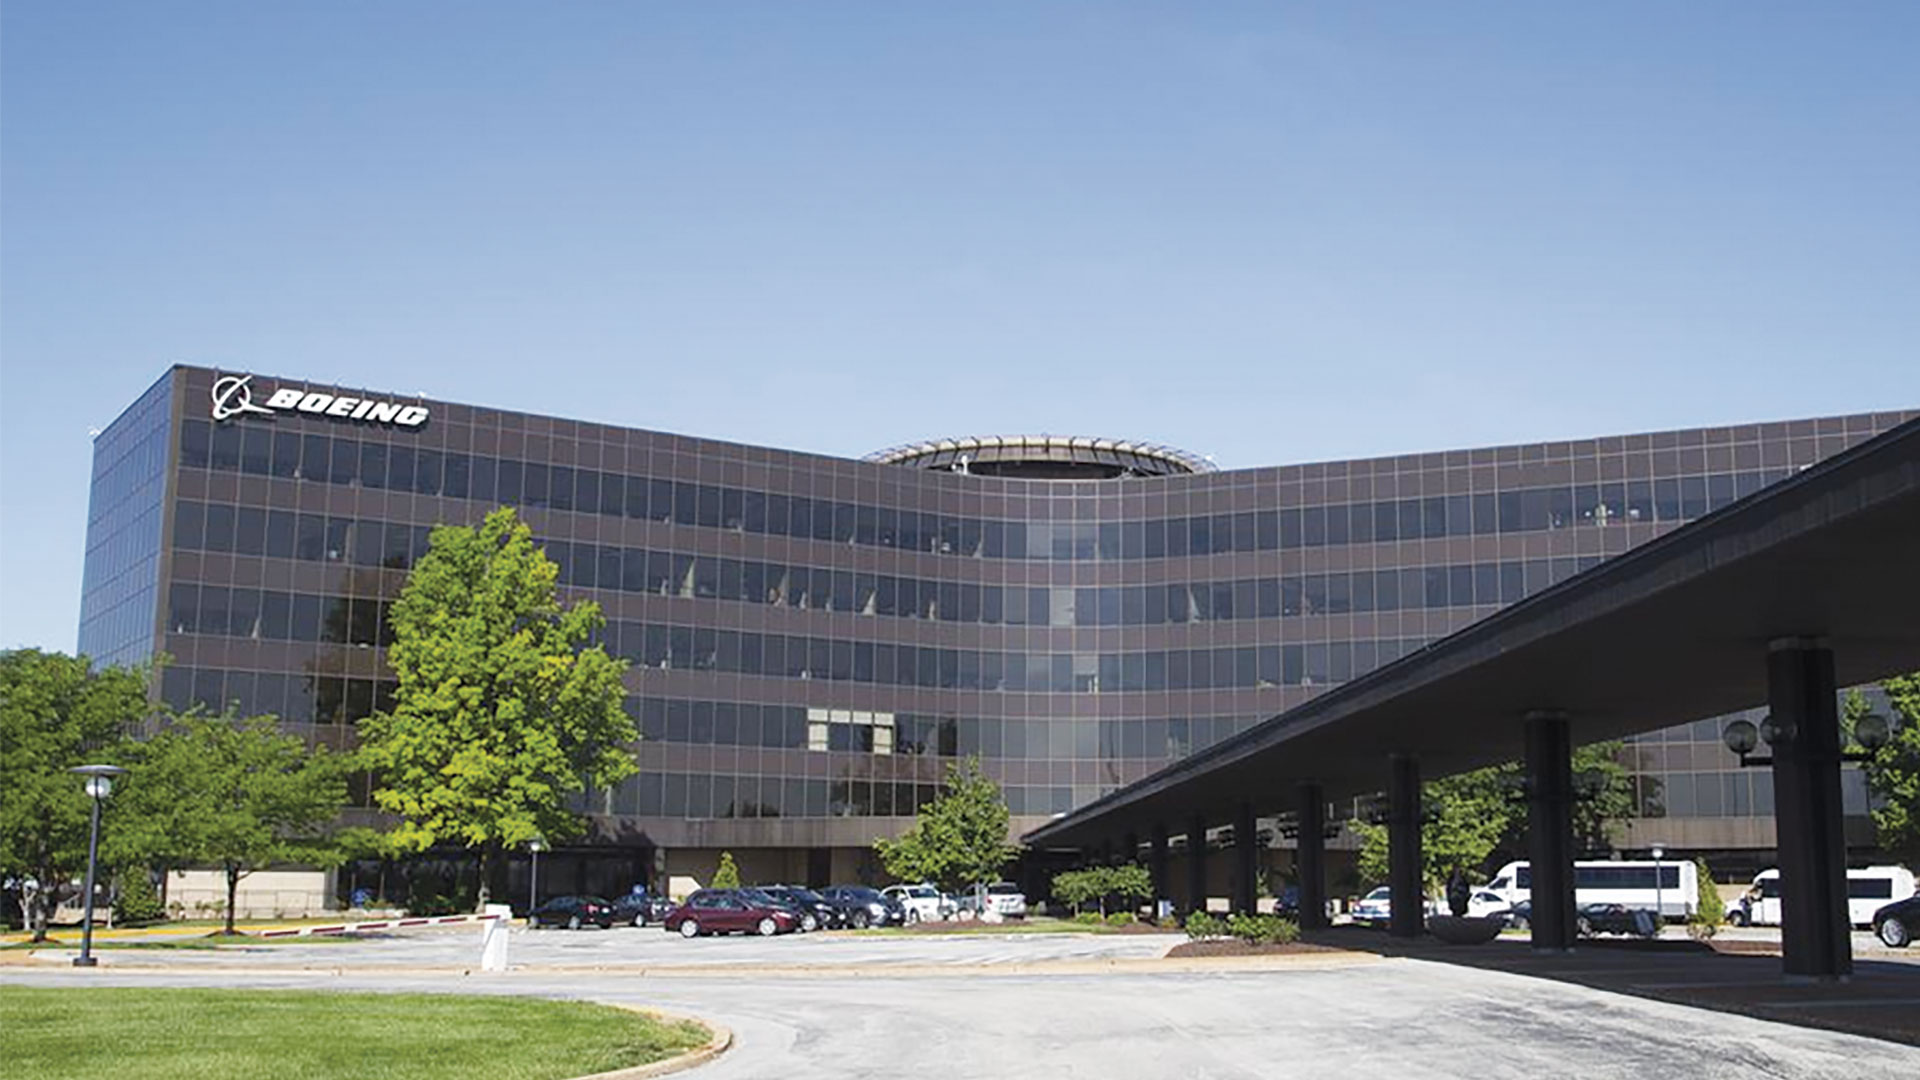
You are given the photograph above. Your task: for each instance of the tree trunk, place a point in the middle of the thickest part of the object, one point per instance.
(233, 889)
(483, 891)
(39, 909)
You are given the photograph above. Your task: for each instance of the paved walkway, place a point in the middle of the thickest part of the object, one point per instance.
(1397, 1017)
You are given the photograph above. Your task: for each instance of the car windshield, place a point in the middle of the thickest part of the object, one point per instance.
(922, 892)
(1003, 889)
(1380, 893)
(805, 896)
(859, 893)
(758, 896)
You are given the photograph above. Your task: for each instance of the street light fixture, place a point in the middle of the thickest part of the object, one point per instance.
(1659, 900)
(536, 846)
(99, 785)
(1871, 731)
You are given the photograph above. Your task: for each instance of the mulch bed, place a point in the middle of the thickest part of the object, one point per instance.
(1236, 947)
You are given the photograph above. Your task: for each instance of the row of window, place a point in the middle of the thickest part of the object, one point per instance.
(702, 795)
(327, 699)
(284, 534)
(265, 451)
(273, 615)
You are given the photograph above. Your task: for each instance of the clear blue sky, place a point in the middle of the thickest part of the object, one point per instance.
(1267, 232)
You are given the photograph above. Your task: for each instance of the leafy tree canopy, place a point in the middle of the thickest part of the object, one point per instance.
(1469, 816)
(1893, 775)
(55, 712)
(503, 708)
(230, 791)
(1095, 884)
(960, 838)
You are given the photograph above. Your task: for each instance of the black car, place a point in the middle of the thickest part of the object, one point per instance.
(641, 908)
(817, 912)
(1616, 919)
(803, 916)
(1894, 923)
(866, 907)
(1520, 915)
(572, 912)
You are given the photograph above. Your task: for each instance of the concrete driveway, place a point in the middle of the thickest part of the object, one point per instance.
(922, 1007)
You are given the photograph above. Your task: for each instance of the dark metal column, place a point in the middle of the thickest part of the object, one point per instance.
(1246, 860)
(1814, 937)
(1157, 866)
(1408, 918)
(1310, 858)
(1549, 787)
(1130, 849)
(1197, 863)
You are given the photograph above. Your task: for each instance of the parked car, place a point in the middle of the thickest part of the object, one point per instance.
(816, 909)
(805, 918)
(1894, 923)
(572, 912)
(1520, 916)
(1375, 908)
(923, 902)
(1483, 903)
(866, 907)
(1616, 919)
(641, 908)
(1003, 898)
(728, 911)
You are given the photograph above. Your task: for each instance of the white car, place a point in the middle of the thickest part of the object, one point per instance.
(923, 902)
(1375, 908)
(1002, 898)
(1483, 903)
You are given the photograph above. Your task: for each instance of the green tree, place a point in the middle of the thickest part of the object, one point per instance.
(1712, 910)
(55, 712)
(727, 876)
(959, 838)
(1471, 815)
(232, 792)
(503, 708)
(1893, 776)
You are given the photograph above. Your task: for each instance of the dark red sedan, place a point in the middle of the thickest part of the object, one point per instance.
(724, 911)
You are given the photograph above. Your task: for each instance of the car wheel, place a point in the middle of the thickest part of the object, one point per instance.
(1520, 923)
(860, 920)
(1585, 926)
(1894, 933)
(1735, 918)
(767, 927)
(913, 916)
(573, 922)
(810, 924)
(689, 929)
(640, 919)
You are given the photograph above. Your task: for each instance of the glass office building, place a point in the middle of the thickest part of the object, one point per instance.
(812, 639)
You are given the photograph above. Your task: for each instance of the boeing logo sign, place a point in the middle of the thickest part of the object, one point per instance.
(233, 396)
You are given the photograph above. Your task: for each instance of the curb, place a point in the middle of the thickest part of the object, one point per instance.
(720, 1042)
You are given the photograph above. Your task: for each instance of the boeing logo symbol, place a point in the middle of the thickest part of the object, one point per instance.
(232, 396)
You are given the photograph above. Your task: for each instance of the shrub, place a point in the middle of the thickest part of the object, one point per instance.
(1088, 918)
(728, 875)
(1712, 910)
(1263, 929)
(1120, 918)
(1202, 925)
(139, 901)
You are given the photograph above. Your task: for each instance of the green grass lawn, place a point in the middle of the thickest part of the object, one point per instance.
(138, 1033)
(195, 941)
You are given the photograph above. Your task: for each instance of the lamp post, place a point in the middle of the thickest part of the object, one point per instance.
(535, 846)
(99, 784)
(1659, 900)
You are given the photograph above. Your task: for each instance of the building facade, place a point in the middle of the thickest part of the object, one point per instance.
(813, 639)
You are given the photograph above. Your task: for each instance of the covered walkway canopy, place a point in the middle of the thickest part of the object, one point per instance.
(1675, 630)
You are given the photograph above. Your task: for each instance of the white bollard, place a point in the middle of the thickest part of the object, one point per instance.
(493, 938)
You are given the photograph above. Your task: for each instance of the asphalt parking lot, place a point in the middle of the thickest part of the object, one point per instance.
(845, 1006)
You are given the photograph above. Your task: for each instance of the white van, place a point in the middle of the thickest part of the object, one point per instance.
(1675, 890)
(1869, 888)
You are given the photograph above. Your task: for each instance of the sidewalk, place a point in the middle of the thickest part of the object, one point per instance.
(1882, 1000)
